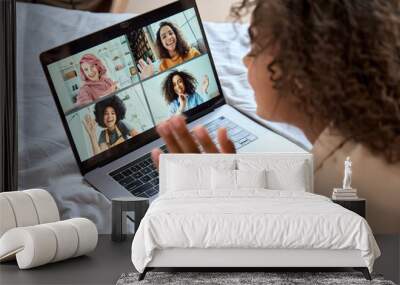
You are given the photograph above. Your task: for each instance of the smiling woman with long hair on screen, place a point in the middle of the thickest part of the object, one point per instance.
(172, 48)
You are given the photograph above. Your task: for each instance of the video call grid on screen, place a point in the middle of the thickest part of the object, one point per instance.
(130, 72)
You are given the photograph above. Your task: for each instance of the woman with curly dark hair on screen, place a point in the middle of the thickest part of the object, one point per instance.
(179, 89)
(331, 68)
(109, 115)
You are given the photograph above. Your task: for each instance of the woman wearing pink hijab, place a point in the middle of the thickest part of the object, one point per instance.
(95, 82)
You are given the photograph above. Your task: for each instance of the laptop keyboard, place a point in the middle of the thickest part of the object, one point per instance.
(140, 177)
(238, 136)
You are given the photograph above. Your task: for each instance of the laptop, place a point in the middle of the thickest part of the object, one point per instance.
(114, 86)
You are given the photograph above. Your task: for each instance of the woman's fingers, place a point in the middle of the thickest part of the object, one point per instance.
(142, 63)
(179, 140)
(225, 143)
(92, 122)
(90, 125)
(182, 103)
(182, 135)
(177, 136)
(164, 130)
(155, 156)
(87, 121)
(146, 69)
(205, 140)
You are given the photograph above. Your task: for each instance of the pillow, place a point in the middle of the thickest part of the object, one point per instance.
(251, 178)
(188, 177)
(227, 179)
(292, 179)
(223, 179)
(281, 174)
(193, 172)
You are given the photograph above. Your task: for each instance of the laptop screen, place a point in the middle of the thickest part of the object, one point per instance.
(114, 92)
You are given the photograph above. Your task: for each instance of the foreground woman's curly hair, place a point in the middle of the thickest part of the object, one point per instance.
(339, 60)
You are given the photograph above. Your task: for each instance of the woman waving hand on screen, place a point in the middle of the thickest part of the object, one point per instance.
(109, 115)
(331, 68)
(172, 48)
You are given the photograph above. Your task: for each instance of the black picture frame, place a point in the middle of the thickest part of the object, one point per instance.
(8, 98)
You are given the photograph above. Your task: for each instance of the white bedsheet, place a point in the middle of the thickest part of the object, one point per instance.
(45, 157)
(250, 219)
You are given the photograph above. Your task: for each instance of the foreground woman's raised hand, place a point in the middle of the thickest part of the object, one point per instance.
(178, 139)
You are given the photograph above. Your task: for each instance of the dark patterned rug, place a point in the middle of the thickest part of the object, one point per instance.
(273, 278)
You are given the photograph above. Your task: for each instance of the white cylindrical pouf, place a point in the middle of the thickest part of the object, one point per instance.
(46, 207)
(31, 232)
(87, 234)
(33, 246)
(23, 208)
(66, 238)
(7, 218)
(26, 208)
(40, 244)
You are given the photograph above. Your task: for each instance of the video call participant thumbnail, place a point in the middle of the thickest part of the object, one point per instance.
(179, 89)
(109, 115)
(95, 81)
(172, 48)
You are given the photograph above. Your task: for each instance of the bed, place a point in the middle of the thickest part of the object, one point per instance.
(45, 157)
(196, 223)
